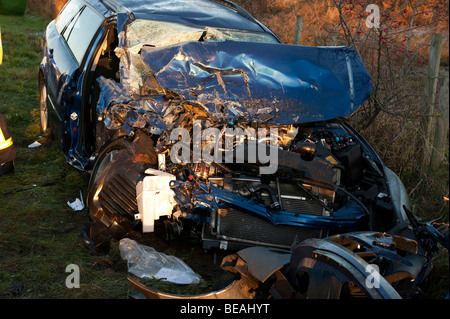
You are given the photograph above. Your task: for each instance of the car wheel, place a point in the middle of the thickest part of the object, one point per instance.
(43, 110)
(105, 157)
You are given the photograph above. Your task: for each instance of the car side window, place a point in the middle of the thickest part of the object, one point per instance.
(67, 14)
(81, 30)
(68, 29)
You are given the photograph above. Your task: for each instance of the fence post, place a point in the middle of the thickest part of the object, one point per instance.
(440, 134)
(298, 30)
(430, 96)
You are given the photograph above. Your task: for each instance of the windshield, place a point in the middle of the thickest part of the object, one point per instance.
(164, 34)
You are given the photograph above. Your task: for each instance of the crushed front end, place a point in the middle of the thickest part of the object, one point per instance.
(228, 143)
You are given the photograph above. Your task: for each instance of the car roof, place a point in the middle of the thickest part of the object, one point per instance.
(213, 13)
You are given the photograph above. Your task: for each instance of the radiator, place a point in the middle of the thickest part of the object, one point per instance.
(241, 227)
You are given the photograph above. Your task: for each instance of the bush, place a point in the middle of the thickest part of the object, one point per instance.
(13, 7)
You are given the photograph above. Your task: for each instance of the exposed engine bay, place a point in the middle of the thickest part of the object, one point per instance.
(327, 181)
(323, 184)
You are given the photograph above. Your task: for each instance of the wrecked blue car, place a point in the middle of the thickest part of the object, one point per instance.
(194, 118)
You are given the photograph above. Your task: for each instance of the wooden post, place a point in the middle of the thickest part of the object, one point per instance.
(440, 134)
(430, 96)
(298, 30)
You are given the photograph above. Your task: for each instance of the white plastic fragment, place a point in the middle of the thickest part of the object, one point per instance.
(76, 205)
(35, 144)
(145, 262)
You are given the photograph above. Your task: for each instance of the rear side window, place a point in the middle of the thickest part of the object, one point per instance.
(81, 30)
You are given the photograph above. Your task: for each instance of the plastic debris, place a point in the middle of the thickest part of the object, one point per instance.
(35, 144)
(145, 262)
(76, 205)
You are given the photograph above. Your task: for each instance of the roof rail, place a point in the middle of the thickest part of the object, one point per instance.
(113, 5)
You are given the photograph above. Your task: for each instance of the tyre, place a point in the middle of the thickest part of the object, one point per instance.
(111, 197)
(43, 109)
(105, 156)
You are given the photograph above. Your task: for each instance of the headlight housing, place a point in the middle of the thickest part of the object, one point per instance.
(400, 199)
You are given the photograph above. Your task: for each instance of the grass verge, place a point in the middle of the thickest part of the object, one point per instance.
(39, 232)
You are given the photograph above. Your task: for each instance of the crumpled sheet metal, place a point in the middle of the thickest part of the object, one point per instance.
(115, 102)
(271, 83)
(245, 82)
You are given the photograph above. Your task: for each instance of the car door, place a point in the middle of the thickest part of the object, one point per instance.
(68, 41)
(60, 63)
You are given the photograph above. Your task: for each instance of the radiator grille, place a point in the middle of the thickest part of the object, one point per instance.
(293, 198)
(240, 226)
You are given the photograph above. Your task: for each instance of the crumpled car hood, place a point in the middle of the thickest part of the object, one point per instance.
(266, 83)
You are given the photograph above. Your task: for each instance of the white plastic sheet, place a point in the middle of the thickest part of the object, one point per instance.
(76, 205)
(146, 262)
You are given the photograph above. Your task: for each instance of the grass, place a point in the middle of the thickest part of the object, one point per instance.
(12, 6)
(40, 234)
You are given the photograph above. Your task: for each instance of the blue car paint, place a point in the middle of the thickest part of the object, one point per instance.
(309, 84)
(350, 217)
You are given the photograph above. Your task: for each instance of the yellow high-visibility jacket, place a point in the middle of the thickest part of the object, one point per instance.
(7, 150)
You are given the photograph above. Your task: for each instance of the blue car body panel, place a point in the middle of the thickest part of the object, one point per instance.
(288, 84)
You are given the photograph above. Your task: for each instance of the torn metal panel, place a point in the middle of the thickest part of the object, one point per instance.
(250, 78)
(263, 262)
(142, 33)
